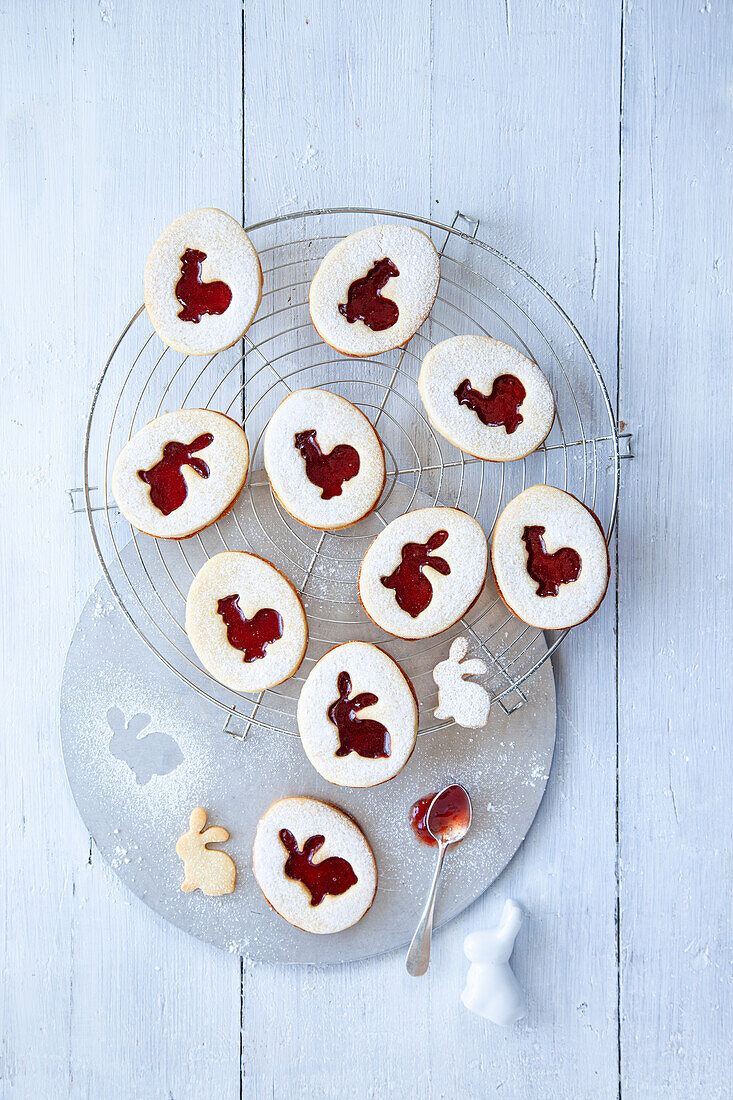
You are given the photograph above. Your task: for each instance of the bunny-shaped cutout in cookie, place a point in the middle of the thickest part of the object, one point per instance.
(467, 704)
(491, 990)
(212, 872)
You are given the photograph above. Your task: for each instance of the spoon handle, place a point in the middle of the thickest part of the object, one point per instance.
(418, 955)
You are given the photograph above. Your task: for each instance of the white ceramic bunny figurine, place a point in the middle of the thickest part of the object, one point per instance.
(491, 988)
(468, 704)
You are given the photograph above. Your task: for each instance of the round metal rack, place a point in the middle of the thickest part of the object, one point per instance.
(480, 291)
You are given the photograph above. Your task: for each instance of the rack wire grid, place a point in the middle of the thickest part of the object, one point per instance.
(481, 291)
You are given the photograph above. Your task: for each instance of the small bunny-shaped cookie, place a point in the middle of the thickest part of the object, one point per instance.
(212, 872)
(468, 704)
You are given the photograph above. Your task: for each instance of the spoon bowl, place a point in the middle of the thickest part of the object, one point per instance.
(449, 815)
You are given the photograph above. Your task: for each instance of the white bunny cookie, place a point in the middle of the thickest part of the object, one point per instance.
(374, 289)
(357, 716)
(324, 459)
(314, 865)
(486, 398)
(212, 872)
(181, 472)
(550, 558)
(423, 572)
(245, 622)
(467, 704)
(203, 282)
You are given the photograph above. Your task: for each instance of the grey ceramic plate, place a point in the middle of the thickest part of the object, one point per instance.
(111, 680)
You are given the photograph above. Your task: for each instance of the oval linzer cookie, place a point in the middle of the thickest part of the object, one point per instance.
(374, 289)
(245, 622)
(324, 460)
(357, 716)
(486, 398)
(181, 472)
(203, 282)
(550, 558)
(314, 865)
(423, 572)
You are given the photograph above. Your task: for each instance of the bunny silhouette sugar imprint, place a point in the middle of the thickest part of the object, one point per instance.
(212, 872)
(413, 591)
(500, 407)
(331, 876)
(146, 754)
(467, 704)
(196, 297)
(364, 736)
(253, 635)
(549, 570)
(168, 488)
(327, 471)
(365, 302)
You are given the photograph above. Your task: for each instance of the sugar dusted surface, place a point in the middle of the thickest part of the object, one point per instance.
(136, 826)
(306, 817)
(465, 550)
(413, 290)
(227, 457)
(567, 522)
(370, 669)
(482, 359)
(258, 584)
(336, 421)
(230, 256)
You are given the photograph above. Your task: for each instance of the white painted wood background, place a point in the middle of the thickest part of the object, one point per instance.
(593, 140)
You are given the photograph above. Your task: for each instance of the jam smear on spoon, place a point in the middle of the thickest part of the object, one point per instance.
(452, 810)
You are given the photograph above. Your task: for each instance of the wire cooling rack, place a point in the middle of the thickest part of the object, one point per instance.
(480, 291)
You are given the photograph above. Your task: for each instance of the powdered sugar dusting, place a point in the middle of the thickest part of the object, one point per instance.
(137, 826)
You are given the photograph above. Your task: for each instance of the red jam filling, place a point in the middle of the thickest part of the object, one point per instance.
(413, 591)
(197, 297)
(450, 810)
(331, 876)
(418, 819)
(364, 301)
(328, 472)
(502, 404)
(363, 736)
(251, 636)
(549, 570)
(168, 488)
